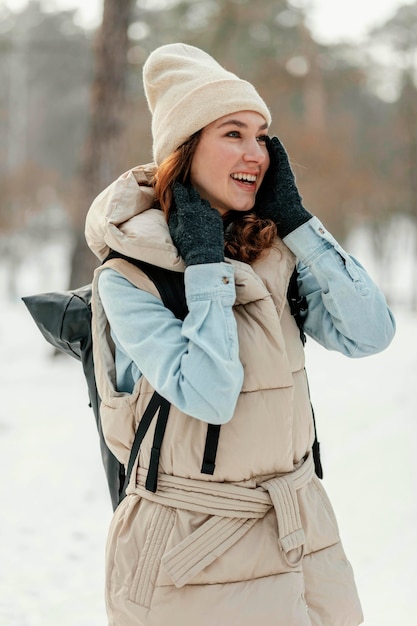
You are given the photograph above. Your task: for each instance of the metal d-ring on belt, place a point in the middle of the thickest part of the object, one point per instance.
(234, 510)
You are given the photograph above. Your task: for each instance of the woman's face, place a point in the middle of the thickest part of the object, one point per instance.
(230, 161)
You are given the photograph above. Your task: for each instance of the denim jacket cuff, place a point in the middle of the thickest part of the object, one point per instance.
(210, 281)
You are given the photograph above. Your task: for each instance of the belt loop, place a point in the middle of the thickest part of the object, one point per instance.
(290, 531)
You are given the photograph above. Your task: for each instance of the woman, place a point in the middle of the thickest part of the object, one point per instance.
(255, 540)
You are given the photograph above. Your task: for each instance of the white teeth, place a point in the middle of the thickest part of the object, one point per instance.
(249, 178)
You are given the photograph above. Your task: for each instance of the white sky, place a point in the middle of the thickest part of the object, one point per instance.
(331, 20)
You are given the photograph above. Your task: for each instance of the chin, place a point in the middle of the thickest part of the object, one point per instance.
(242, 207)
(245, 208)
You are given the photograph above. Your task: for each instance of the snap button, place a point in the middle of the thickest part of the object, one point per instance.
(225, 280)
(321, 230)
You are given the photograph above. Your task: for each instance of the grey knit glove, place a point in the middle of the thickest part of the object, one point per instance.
(196, 228)
(278, 197)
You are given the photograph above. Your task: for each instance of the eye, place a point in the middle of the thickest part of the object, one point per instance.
(235, 134)
(262, 138)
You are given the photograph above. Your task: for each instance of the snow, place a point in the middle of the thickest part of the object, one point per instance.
(367, 421)
(56, 508)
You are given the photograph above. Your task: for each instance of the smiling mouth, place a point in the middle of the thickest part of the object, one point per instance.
(248, 179)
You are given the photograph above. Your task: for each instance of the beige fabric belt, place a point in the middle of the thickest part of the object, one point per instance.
(234, 511)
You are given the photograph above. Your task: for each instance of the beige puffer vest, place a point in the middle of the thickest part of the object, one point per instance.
(257, 540)
(271, 439)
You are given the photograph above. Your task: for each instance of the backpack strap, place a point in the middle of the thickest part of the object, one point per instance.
(170, 286)
(156, 403)
(298, 304)
(298, 307)
(210, 449)
(152, 477)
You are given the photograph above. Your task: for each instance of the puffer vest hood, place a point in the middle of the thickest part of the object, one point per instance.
(272, 426)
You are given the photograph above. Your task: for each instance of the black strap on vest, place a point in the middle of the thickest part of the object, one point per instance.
(298, 307)
(156, 403)
(298, 304)
(152, 477)
(210, 449)
(316, 449)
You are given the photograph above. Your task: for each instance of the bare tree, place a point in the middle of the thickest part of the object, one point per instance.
(105, 141)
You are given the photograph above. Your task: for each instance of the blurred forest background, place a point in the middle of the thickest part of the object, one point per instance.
(73, 117)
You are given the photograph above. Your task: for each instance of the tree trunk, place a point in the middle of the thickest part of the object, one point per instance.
(105, 141)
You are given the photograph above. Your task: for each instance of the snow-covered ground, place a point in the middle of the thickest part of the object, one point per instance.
(55, 508)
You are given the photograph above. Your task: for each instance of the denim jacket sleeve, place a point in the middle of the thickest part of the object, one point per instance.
(195, 363)
(346, 311)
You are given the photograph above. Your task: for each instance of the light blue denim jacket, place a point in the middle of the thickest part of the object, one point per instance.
(195, 364)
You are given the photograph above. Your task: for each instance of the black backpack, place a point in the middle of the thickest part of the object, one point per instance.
(64, 319)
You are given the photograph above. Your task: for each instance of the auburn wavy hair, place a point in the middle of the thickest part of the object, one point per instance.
(246, 234)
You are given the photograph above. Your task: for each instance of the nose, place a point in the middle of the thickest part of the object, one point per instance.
(255, 152)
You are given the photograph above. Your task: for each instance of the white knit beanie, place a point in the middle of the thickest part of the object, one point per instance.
(187, 89)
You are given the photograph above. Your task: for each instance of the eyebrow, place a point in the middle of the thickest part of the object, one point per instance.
(240, 124)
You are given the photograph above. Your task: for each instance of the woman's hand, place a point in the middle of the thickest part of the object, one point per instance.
(278, 198)
(196, 228)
